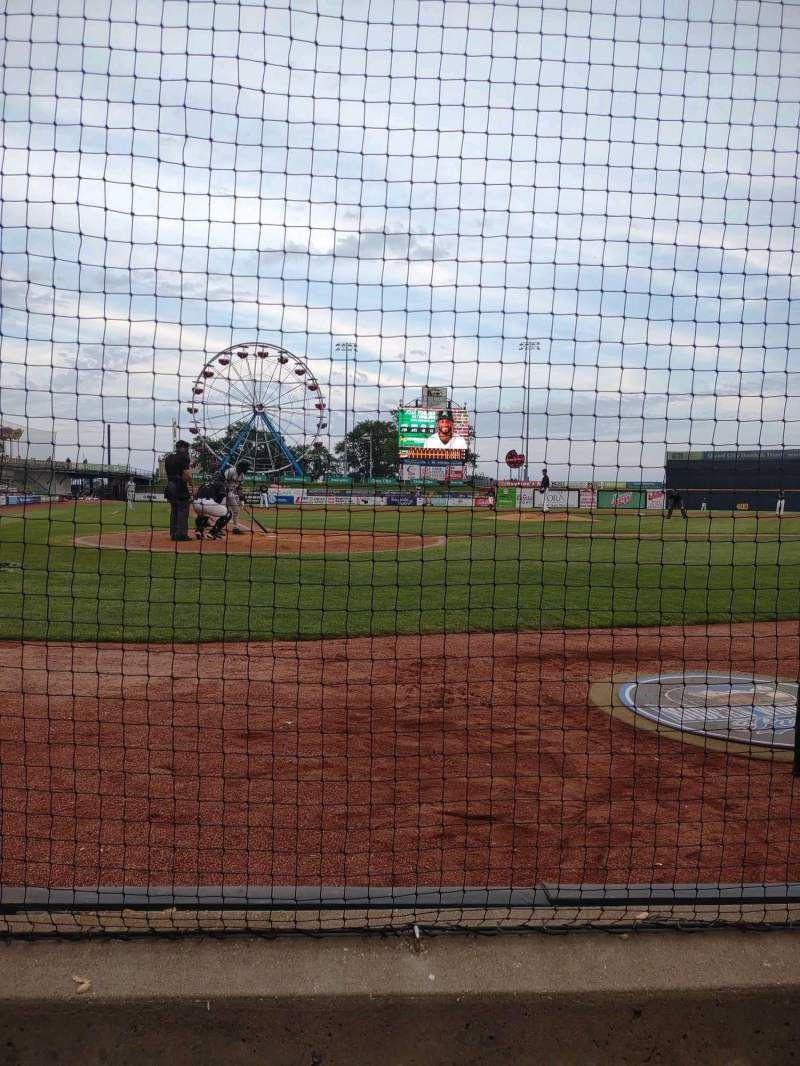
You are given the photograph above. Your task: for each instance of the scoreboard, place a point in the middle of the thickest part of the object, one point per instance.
(415, 427)
(416, 424)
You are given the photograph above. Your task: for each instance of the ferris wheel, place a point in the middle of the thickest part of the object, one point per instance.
(261, 403)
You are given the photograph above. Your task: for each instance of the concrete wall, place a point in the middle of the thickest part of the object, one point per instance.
(714, 997)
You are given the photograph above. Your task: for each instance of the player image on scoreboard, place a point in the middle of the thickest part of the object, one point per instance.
(444, 437)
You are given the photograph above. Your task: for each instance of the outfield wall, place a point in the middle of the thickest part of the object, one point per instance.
(736, 480)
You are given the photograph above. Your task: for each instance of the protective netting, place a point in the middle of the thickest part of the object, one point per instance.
(472, 598)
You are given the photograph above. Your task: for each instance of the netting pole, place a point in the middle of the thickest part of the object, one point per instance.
(796, 771)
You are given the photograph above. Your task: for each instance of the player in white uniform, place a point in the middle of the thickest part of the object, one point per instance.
(130, 493)
(233, 485)
(445, 436)
(781, 504)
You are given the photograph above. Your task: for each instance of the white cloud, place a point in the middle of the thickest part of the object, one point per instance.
(439, 180)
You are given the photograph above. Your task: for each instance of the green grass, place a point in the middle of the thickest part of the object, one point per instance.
(612, 570)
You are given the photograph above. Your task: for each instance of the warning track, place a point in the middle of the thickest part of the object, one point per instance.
(434, 760)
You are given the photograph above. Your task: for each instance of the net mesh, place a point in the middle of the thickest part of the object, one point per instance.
(472, 598)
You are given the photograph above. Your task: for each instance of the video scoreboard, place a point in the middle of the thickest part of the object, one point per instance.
(415, 425)
(419, 460)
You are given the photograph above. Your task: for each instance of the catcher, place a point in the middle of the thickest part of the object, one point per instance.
(209, 503)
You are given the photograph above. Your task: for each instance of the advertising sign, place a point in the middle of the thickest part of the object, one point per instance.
(15, 500)
(506, 498)
(555, 498)
(482, 501)
(631, 499)
(432, 470)
(655, 500)
(587, 498)
(400, 499)
(434, 396)
(525, 497)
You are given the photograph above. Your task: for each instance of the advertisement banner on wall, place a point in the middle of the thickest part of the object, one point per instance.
(401, 499)
(629, 499)
(655, 500)
(506, 498)
(449, 501)
(16, 500)
(482, 501)
(556, 498)
(433, 470)
(526, 498)
(587, 498)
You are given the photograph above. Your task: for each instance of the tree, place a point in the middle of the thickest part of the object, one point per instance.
(318, 462)
(370, 449)
(204, 461)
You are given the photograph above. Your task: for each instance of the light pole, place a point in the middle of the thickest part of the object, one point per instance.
(527, 346)
(346, 347)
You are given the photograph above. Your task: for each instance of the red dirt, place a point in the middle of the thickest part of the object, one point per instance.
(257, 542)
(431, 760)
(540, 516)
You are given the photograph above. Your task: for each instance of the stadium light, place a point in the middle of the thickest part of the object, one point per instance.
(346, 347)
(527, 345)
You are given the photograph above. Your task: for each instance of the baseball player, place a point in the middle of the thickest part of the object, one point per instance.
(445, 436)
(673, 500)
(209, 503)
(781, 504)
(544, 485)
(233, 485)
(130, 493)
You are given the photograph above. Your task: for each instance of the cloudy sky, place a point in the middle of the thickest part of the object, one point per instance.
(437, 181)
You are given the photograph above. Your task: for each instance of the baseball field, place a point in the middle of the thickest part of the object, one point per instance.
(387, 697)
(91, 571)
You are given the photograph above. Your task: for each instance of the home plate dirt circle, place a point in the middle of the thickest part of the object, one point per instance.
(258, 542)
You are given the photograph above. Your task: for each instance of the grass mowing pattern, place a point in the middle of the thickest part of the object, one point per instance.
(610, 570)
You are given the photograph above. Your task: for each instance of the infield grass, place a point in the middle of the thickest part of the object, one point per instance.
(493, 574)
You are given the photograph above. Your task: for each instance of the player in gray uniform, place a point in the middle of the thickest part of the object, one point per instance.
(233, 485)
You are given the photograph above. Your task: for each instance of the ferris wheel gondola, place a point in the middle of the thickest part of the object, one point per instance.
(258, 402)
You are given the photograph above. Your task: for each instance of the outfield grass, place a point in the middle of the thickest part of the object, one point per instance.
(612, 570)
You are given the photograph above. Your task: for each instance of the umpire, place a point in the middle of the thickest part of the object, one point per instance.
(675, 499)
(179, 490)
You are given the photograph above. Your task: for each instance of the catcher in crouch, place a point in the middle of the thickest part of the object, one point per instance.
(210, 502)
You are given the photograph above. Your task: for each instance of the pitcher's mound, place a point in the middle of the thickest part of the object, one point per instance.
(257, 542)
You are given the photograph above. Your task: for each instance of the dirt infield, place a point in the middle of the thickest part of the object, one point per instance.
(433, 760)
(540, 516)
(258, 542)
